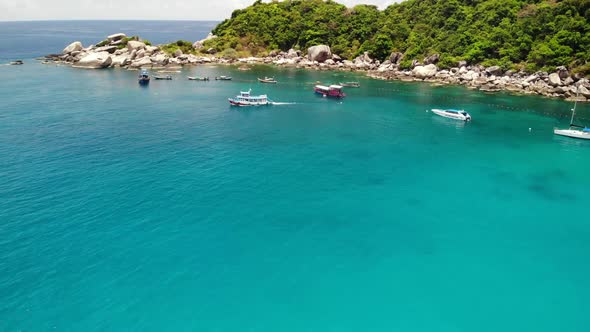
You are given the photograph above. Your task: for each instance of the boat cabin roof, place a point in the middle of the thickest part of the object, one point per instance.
(331, 87)
(455, 111)
(246, 95)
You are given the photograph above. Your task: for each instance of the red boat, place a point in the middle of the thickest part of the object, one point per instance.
(333, 91)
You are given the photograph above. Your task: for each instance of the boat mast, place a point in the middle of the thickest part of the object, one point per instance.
(575, 104)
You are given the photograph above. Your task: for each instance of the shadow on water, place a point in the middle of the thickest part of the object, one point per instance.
(571, 143)
(549, 185)
(447, 123)
(549, 192)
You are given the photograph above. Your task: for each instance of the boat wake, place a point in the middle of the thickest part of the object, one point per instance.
(279, 103)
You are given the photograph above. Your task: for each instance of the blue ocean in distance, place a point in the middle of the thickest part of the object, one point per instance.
(164, 209)
(30, 39)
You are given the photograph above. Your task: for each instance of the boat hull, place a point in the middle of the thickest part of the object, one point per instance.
(572, 133)
(330, 94)
(455, 116)
(234, 102)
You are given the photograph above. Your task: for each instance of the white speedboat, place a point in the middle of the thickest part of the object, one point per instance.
(574, 130)
(453, 114)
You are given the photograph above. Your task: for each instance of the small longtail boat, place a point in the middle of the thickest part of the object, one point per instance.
(267, 80)
(351, 84)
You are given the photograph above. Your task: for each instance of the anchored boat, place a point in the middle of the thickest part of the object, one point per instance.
(351, 84)
(574, 131)
(196, 78)
(267, 80)
(223, 78)
(167, 77)
(583, 132)
(144, 78)
(246, 99)
(453, 114)
(333, 91)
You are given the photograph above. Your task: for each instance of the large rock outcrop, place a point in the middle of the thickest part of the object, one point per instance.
(424, 71)
(396, 57)
(363, 58)
(120, 60)
(292, 54)
(319, 53)
(469, 75)
(554, 79)
(583, 91)
(563, 72)
(95, 60)
(494, 70)
(116, 36)
(199, 44)
(143, 62)
(160, 59)
(433, 59)
(135, 45)
(73, 47)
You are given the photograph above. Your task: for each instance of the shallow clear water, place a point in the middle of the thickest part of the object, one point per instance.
(164, 209)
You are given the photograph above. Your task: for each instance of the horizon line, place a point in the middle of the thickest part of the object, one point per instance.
(106, 19)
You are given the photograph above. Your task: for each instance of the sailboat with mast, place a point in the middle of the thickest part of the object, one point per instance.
(574, 131)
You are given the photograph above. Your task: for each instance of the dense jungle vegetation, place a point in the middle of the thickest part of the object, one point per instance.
(514, 34)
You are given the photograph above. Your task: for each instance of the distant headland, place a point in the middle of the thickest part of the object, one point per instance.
(531, 47)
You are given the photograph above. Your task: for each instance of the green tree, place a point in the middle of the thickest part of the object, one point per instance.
(528, 33)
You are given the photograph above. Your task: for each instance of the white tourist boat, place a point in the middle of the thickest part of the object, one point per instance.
(574, 131)
(453, 114)
(246, 99)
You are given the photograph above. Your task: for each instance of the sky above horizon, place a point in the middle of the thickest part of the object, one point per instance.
(17, 10)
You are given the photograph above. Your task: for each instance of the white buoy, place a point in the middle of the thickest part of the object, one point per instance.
(530, 129)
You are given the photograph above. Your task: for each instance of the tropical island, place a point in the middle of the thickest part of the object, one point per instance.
(528, 46)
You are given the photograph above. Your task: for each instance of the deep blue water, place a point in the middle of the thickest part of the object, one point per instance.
(164, 209)
(31, 39)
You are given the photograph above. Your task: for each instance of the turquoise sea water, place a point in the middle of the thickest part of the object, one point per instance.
(163, 209)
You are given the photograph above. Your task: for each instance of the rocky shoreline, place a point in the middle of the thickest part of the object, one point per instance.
(136, 54)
